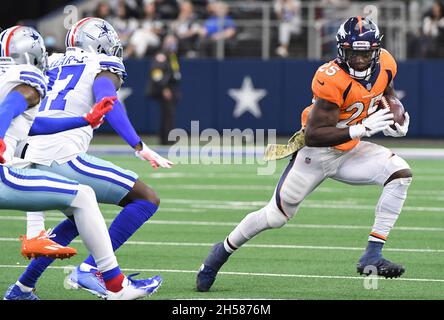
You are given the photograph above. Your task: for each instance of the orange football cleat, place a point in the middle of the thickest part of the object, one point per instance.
(43, 246)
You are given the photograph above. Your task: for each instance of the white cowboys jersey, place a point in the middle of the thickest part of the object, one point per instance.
(71, 77)
(12, 75)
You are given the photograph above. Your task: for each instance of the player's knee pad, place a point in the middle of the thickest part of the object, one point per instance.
(399, 183)
(275, 218)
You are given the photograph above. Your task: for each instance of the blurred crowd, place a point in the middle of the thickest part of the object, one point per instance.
(197, 26)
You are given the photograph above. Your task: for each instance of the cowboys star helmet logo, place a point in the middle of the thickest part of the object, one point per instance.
(34, 37)
(104, 31)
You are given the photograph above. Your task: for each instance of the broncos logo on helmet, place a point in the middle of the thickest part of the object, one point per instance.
(359, 46)
(24, 45)
(94, 35)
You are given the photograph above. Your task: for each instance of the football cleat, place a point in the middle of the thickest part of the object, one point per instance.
(15, 293)
(43, 246)
(384, 268)
(205, 278)
(135, 289)
(90, 281)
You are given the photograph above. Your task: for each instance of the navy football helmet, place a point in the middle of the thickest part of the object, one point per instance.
(359, 46)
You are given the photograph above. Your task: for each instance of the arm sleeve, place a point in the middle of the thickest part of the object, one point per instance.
(45, 125)
(12, 106)
(117, 117)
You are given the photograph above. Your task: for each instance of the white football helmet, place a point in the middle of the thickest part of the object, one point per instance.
(94, 35)
(24, 45)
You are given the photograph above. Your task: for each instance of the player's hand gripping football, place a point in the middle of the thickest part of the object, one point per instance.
(153, 157)
(2, 150)
(401, 130)
(376, 122)
(97, 114)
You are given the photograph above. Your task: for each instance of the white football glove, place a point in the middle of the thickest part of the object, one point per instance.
(400, 131)
(153, 157)
(376, 122)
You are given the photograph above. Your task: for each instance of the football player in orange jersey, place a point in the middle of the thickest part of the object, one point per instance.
(347, 92)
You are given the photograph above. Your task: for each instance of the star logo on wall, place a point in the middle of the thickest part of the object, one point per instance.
(247, 98)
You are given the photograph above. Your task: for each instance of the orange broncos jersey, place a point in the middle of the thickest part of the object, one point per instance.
(355, 102)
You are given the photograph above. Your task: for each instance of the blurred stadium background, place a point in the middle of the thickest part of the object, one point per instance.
(314, 256)
(412, 35)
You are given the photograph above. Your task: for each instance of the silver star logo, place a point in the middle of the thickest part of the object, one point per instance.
(247, 98)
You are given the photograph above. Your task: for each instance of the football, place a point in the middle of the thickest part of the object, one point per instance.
(396, 108)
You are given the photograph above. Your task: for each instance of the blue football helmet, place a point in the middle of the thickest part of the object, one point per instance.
(359, 46)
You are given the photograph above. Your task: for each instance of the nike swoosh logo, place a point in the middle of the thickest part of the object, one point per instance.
(321, 83)
(154, 284)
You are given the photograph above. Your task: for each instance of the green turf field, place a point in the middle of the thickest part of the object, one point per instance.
(313, 257)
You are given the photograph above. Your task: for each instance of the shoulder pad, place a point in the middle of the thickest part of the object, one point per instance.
(112, 64)
(32, 76)
(329, 83)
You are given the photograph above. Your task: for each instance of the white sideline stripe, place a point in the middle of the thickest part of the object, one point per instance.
(265, 246)
(216, 204)
(233, 224)
(258, 274)
(258, 151)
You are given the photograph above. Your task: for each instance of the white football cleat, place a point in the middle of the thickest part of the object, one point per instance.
(136, 289)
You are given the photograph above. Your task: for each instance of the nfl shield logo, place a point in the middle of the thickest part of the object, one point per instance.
(307, 160)
(369, 86)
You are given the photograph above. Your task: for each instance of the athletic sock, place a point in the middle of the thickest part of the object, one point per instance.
(372, 254)
(113, 279)
(35, 223)
(131, 218)
(217, 256)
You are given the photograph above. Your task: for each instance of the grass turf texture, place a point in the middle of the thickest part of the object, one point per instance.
(313, 257)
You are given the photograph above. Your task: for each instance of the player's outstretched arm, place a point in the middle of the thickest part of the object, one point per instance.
(106, 84)
(94, 118)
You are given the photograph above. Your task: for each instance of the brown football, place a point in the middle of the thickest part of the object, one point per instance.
(396, 108)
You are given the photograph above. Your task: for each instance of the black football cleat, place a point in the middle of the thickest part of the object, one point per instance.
(384, 268)
(205, 278)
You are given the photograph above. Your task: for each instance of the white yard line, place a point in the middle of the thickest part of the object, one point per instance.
(58, 217)
(263, 246)
(230, 204)
(250, 274)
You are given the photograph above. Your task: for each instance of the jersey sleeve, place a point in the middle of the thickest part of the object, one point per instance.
(112, 64)
(388, 62)
(327, 87)
(30, 75)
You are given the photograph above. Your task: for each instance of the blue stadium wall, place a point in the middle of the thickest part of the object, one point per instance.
(206, 85)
